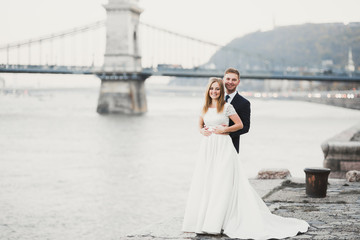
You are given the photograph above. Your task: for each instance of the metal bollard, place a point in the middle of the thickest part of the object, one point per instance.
(316, 181)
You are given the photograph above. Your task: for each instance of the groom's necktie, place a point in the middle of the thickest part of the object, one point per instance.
(227, 98)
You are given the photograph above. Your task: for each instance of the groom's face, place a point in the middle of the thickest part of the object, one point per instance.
(231, 81)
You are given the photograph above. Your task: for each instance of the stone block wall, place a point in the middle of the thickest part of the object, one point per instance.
(342, 152)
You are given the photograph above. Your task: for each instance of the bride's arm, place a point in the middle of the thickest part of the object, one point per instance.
(226, 129)
(202, 128)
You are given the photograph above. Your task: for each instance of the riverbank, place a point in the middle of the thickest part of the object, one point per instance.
(334, 217)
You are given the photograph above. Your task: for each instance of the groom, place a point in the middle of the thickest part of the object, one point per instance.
(242, 106)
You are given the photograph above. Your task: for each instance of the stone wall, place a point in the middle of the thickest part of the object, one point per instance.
(342, 152)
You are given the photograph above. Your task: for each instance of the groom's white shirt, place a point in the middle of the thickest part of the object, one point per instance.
(232, 95)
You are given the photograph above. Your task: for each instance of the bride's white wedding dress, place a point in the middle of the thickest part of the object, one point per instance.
(221, 197)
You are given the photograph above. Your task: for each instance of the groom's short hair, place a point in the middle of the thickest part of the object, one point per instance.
(232, 70)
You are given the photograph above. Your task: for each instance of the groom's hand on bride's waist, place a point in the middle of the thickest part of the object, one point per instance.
(221, 130)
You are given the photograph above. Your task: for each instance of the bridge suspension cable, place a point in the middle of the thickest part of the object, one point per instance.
(190, 51)
(78, 46)
(72, 31)
(85, 46)
(164, 47)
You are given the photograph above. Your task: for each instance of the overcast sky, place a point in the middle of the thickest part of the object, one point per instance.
(218, 21)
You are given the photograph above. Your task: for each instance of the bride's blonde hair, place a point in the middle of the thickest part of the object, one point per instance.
(221, 100)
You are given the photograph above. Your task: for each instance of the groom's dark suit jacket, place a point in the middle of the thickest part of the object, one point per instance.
(242, 107)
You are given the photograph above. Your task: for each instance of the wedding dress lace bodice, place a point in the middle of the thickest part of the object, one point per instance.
(212, 118)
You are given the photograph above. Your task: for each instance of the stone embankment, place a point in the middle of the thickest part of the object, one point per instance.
(342, 152)
(337, 216)
(346, 99)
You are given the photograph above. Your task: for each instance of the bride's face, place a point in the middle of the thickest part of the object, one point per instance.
(214, 91)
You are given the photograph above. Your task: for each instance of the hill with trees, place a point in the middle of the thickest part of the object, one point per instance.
(300, 46)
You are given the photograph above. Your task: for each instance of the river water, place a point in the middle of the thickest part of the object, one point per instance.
(68, 173)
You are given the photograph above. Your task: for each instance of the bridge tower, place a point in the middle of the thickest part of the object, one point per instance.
(122, 84)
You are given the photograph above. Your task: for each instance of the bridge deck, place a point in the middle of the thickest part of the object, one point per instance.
(193, 73)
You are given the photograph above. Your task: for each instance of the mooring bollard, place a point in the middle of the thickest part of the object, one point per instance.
(316, 181)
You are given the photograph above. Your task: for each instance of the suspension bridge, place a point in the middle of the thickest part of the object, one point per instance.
(123, 51)
(81, 51)
(164, 53)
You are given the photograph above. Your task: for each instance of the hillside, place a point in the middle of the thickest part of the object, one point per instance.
(304, 45)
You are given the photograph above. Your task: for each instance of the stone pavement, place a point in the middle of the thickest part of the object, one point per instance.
(337, 216)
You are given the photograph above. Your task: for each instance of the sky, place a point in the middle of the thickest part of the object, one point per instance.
(218, 21)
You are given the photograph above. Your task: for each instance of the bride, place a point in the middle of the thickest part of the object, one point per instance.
(221, 199)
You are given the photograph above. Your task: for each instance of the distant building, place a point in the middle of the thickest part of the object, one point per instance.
(350, 68)
(354, 24)
(327, 66)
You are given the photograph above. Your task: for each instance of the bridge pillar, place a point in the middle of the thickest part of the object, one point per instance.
(122, 84)
(122, 94)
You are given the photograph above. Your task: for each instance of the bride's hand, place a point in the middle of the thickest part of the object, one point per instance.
(204, 131)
